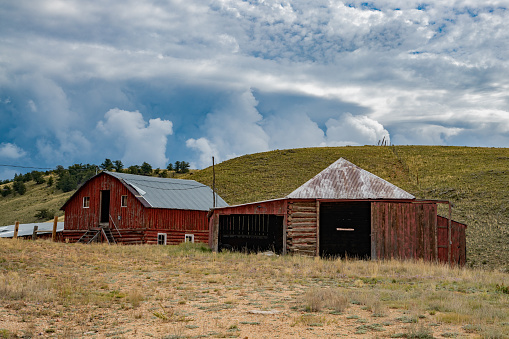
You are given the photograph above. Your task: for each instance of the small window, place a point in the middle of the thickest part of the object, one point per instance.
(86, 202)
(123, 201)
(189, 238)
(161, 238)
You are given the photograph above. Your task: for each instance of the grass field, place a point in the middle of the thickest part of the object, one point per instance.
(475, 180)
(99, 291)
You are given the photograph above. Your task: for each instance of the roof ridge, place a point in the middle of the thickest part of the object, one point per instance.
(345, 180)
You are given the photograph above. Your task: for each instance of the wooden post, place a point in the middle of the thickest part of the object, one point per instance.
(54, 234)
(213, 184)
(16, 229)
(34, 234)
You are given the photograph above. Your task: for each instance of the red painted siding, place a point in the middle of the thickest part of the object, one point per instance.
(79, 218)
(276, 207)
(136, 223)
(404, 230)
(458, 239)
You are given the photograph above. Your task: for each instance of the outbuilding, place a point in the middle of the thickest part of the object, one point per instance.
(124, 208)
(342, 211)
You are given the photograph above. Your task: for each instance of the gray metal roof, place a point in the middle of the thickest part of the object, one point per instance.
(344, 180)
(170, 193)
(28, 229)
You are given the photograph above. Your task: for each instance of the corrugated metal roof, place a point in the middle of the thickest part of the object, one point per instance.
(344, 180)
(171, 193)
(28, 229)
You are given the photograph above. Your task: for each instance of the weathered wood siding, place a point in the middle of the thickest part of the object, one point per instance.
(175, 237)
(302, 230)
(79, 218)
(404, 230)
(273, 207)
(136, 223)
(458, 239)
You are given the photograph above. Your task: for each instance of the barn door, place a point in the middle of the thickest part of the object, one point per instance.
(105, 207)
(345, 229)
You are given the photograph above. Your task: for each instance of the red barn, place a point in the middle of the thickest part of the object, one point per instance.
(342, 211)
(134, 209)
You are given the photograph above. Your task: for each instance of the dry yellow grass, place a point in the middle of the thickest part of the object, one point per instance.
(74, 290)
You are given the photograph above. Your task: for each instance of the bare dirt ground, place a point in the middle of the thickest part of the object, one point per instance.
(75, 291)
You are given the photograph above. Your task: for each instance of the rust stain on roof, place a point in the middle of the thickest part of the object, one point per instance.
(344, 180)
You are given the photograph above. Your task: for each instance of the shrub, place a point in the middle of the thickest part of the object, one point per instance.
(19, 187)
(44, 214)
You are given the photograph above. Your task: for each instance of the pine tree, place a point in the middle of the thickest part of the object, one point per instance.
(118, 165)
(19, 187)
(107, 165)
(146, 168)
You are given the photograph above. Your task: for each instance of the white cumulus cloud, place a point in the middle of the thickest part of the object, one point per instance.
(135, 139)
(11, 151)
(232, 130)
(355, 130)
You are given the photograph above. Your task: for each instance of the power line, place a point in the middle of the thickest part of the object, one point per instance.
(26, 167)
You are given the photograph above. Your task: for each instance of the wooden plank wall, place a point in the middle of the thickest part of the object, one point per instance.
(458, 238)
(174, 237)
(302, 230)
(404, 230)
(79, 218)
(175, 220)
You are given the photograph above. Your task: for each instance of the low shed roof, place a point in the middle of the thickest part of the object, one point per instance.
(28, 229)
(344, 180)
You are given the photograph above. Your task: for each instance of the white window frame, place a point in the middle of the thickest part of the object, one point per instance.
(86, 202)
(164, 236)
(189, 238)
(123, 201)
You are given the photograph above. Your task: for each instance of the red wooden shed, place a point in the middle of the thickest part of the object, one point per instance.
(342, 211)
(134, 209)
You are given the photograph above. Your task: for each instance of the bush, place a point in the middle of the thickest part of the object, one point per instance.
(6, 191)
(38, 178)
(19, 187)
(67, 183)
(45, 214)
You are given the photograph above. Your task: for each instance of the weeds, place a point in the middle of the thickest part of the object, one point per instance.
(81, 285)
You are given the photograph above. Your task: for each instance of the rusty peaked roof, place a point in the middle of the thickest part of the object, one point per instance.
(344, 180)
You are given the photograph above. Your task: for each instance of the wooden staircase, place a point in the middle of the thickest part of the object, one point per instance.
(108, 235)
(93, 235)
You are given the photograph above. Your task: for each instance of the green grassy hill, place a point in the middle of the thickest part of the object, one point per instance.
(475, 180)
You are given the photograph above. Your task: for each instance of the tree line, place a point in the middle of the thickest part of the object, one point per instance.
(75, 175)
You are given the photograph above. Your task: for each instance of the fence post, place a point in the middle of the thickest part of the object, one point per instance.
(16, 228)
(34, 235)
(54, 234)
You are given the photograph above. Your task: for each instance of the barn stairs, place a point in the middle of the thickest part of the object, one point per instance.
(93, 234)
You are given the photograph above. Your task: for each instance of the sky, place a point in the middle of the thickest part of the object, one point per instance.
(164, 80)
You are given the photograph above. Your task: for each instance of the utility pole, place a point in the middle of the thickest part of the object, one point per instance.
(213, 184)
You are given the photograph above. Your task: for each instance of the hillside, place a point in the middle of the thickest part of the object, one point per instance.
(475, 180)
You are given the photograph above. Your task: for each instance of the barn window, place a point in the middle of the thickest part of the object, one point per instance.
(123, 201)
(161, 238)
(86, 202)
(189, 238)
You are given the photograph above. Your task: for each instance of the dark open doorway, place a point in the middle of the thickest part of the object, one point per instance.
(255, 232)
(105, 207)
(345, 229)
